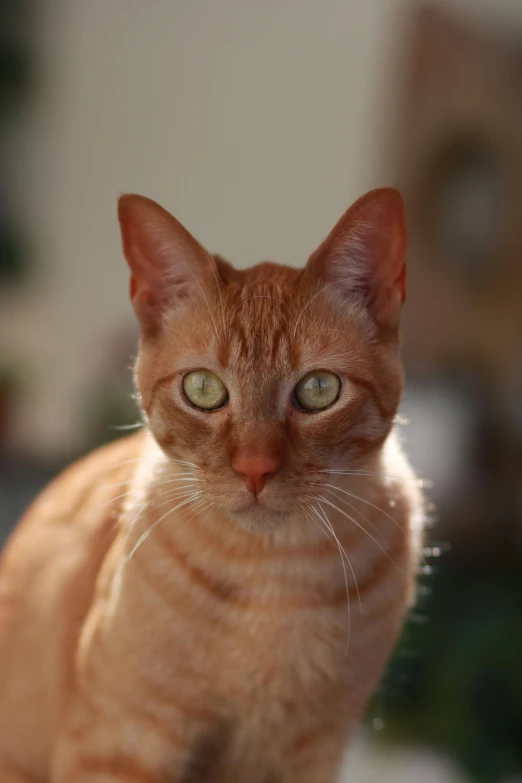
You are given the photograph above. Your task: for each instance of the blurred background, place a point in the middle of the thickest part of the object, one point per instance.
(257, 124)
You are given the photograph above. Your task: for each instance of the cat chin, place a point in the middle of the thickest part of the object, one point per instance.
(260, 518)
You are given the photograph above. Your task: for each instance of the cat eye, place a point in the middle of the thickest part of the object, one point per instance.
(205, 390)
(317, 390)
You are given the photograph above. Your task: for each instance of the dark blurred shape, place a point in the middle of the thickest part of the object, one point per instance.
(458, 160)
(15, 81)
(461, 212)
(15, 64)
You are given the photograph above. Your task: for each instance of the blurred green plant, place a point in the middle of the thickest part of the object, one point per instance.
(455, 683)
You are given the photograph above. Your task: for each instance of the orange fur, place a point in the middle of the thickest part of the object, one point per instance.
(161, 623)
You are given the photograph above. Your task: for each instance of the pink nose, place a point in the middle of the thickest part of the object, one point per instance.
(256, 470)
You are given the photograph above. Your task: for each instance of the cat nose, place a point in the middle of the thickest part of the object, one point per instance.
(255, 470)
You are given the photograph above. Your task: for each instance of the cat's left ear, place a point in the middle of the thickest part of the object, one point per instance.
(365, 254)
(169, 268)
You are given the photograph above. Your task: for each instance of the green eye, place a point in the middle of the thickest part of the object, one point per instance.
(317, 390)
(205, 390)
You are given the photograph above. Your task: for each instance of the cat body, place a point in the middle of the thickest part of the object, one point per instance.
(215, 598)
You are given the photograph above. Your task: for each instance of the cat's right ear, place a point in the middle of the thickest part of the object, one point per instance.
(169, 268)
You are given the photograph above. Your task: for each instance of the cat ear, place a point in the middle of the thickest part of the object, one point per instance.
(168, 266)
(365, 254)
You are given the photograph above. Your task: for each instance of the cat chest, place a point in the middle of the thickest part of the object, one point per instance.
(287, 652)
(271, 634)
(275, 649)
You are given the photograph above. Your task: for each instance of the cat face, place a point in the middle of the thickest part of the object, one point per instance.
(268, 377)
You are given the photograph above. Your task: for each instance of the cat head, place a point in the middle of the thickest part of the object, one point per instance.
(268, 377)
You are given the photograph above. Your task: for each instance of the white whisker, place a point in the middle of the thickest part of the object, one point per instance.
(330, 526)
(176, 479)
(170, 497)
(199, 511)
(414, 479)
(127, 482)
(334, 490)
(155, 524)
(341, 551)
(363, 500)
(184, 462)
(357, 524)
(118, 497)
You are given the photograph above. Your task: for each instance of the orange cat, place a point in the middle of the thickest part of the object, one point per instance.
(215, 598)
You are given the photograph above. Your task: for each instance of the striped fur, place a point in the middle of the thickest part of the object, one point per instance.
(159, 624)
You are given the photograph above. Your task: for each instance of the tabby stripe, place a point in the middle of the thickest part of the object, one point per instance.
(147, 407)
(372, 391)
(155, 693)
(323, 549)
(276, 344)
(306, 739)
(123, 767)
(156, 724)
(219, 588)
(19, 773)
(142, 716)
(365, 444)
(231, 595)
(158, 694)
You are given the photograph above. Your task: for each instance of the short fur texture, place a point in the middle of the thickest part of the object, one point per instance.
(162, 621)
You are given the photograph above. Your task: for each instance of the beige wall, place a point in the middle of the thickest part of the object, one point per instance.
(256, 123)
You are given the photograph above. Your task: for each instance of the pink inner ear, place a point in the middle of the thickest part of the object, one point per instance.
(366, 253)
(385, 240)
(147, 232)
